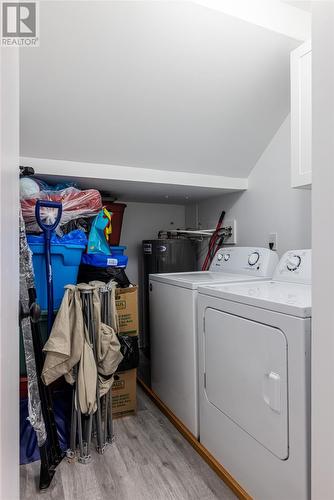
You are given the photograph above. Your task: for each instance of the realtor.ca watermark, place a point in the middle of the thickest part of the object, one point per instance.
(19, 24)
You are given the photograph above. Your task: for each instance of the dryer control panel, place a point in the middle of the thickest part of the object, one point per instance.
(295, 267)
(253, 261)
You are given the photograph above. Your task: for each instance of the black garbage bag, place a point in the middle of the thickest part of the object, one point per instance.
(82, 223)
(130, 351)
(89, 273)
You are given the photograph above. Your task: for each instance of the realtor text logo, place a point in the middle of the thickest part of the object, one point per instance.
(19, 24)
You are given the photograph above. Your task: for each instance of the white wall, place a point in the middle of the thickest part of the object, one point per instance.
(269, 205)
(9, 293)
(143, 221)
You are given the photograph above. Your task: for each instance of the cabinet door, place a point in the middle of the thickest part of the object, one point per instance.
(301, 116)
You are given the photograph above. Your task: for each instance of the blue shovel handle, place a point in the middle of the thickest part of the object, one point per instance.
(47, 230)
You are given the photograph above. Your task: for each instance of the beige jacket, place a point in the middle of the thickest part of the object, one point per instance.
(69, 345)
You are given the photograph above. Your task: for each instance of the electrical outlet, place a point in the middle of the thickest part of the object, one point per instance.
(230, 227)
(272, 241)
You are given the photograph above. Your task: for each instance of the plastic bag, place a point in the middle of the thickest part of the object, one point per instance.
(76, 237)
(60, 186)
(92, 273)
(82, 223)
(97, 242)
(30, 187)
(27, 280)
(108, 228)
(130, 351)
(75, 204)
(62, 400)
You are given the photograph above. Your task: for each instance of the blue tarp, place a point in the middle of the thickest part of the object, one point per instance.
(76, 237)
(62, 401)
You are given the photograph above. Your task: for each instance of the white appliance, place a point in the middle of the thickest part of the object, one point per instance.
(173, 324)
(254, 364)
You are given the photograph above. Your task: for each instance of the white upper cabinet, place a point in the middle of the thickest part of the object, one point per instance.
(301, 116)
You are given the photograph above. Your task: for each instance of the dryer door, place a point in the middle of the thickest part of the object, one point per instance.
(246, 377)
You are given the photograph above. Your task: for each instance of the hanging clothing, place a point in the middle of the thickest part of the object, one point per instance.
(109, 355)
(69, 344)
(113, 320)
(64, 348)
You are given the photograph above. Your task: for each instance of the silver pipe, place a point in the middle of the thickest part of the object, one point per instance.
(71, 452)
(100, 445)
(85, 437)
(81, 447)
(110, 427)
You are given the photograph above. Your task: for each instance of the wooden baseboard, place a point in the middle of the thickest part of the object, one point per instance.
(201, 450)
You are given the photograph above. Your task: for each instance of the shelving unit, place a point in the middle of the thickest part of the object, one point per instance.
(136, 183)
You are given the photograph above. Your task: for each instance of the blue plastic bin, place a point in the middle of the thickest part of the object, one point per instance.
(118, 253)
(65, 260)
(115, 259)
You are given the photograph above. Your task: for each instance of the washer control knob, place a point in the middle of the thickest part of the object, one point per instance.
(219, 256)
(253, 258)
(293, 262)
(227, 257)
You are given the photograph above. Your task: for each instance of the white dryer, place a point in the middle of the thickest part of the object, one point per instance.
(173, 324)
(254, 364)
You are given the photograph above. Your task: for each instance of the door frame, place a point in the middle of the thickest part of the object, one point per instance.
(9, 273)
(322, 461)
(323, 270)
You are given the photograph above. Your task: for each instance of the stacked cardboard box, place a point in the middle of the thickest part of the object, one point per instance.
(124, 389)
(124, 394)
(127, 308)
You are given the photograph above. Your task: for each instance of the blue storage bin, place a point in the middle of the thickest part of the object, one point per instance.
(118, 250)
(65, 259)
(118, 254)
(115, 259)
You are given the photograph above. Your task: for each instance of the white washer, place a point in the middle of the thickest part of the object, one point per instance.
(173, 324)
(254, 364)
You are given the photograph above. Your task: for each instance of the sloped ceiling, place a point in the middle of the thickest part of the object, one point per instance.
(166, 85)
(300, 4)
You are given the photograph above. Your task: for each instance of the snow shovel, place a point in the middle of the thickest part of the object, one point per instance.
(48, 230)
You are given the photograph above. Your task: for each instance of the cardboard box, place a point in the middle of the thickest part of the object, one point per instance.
(127, 309)
(124, 393)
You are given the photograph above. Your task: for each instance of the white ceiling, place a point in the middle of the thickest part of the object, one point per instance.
(166, 85)
(300, 4)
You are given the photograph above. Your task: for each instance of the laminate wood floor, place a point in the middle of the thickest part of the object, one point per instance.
(149, 460)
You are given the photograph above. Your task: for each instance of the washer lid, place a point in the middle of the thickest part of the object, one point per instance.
(294, 299)
(193, 280)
